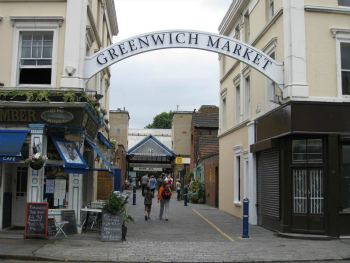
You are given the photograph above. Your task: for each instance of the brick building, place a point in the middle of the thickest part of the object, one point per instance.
(205, 150)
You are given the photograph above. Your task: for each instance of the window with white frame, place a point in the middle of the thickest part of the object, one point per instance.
(270, 9)
(246, 97)
(35, 59)
(344, 2)
(246, 27)
(271, 88)
(345, 67)
(237, 176)
(238, 103)
(224, 114)
(34, 53)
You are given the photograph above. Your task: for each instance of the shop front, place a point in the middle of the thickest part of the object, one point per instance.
(43, 158)
(303, 159)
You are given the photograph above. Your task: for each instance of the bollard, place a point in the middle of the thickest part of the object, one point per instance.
(134, 195)
(185, 195)
(245, 233)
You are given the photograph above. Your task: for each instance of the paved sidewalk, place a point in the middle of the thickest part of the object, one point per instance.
(196, 233)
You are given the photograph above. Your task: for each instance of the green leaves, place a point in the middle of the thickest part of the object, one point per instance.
(117, 205)
(161, 121)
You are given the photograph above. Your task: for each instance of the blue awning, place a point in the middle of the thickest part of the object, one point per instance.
(11, 143)
(105, 162)
(104, 140)
(73, 161)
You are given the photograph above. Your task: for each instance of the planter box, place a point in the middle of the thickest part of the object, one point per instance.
(111, 229)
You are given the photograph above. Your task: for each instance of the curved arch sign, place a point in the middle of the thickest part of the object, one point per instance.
(185, 39)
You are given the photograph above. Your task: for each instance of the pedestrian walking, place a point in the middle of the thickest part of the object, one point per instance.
(144, 182)
(164, 195)
(159, 181)
(178, 189)
(152, 184)
(148, 203)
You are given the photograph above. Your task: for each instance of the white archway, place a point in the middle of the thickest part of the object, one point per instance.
(185, 39)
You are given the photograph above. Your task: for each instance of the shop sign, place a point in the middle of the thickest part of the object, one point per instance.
(18, 115)
(148, 169)
(69, 116)
(57, 116)
(178, 160)
(10, 159)
(220, 44)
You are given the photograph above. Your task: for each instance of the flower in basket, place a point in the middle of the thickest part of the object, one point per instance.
(36, 161)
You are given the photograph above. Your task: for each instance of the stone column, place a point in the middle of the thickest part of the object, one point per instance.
(36, 177)
(251, 176)
(295, 75)
(74, 44)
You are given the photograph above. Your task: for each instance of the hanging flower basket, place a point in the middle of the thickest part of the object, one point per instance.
(36, 161)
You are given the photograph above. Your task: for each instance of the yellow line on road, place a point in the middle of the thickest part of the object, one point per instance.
(213, 226)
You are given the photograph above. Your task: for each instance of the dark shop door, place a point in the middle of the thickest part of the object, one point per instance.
(308, 200)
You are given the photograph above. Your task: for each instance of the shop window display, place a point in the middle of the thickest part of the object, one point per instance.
(56, 187)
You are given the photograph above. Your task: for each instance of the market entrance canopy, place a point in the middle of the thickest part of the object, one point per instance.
(185, 39)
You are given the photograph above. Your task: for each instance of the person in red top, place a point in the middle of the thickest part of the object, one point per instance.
(164, 195)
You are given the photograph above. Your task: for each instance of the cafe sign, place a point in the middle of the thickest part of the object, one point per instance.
(220, 44)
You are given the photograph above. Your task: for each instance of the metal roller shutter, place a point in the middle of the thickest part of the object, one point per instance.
(268, 188)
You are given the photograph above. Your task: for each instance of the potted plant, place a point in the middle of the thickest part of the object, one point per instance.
(115, 218)
(36, 161)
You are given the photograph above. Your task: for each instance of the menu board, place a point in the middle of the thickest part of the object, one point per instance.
(36, 220)
(111, 228)
(71, 227)
(51, 227)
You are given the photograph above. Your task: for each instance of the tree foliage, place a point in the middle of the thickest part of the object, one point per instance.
(161, 121)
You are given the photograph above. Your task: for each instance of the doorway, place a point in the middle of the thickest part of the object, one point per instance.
(308, 186)
(19, 186)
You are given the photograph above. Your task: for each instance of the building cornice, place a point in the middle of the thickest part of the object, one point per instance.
(235, 128)
(330, 10)
(337, 31)
(231, 15)
(17, 19)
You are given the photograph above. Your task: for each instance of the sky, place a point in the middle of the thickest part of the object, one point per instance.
(170, 79)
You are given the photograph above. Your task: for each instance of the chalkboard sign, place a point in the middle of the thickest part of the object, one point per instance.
(51, 227)
(111, 228)
(71, 227)
(36, 220)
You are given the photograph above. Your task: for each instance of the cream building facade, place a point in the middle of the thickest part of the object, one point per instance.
(270, 135)
(45, 100)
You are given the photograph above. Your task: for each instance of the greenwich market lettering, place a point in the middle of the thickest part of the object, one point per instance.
(185, 39)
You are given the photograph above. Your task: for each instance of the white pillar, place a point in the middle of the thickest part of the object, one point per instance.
(75, 44)
(295, 77)
(251, 177)
(36, 177)
(75, 196)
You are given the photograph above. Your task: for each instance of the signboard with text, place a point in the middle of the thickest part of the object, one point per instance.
(36, 220)
(220, 44)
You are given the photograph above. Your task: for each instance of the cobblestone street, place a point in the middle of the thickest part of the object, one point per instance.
(196, 233)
